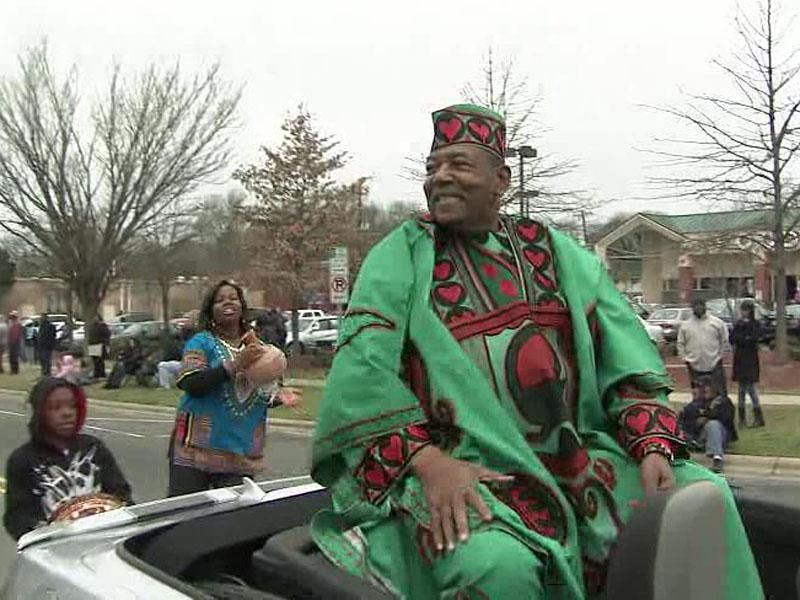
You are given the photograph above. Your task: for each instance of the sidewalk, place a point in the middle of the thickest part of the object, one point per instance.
(681, 397)
(765, 399)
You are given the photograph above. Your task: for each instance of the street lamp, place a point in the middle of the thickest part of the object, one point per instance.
(523, 152)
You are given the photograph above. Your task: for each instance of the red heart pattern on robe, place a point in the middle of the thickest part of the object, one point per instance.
(451, 293)
(376, 475)
(667, 420)
(638, 422)
(528, 231)
(537, 257)
(393, 451)
(489, 270)
(442, 270)
(544, 281)
(509, 288)
(536, 362)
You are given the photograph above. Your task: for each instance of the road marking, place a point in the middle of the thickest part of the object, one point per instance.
(106, 429)
(117, 431)
(12, 413)
(128, 420)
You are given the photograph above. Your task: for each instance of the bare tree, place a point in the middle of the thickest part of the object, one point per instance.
(163, 252)
(79, 187)
(501, 88)
(742, 148)
(219, 247)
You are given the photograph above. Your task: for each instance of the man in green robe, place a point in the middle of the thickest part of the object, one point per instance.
(495, 409)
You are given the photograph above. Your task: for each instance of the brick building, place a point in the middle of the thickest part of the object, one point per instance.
(670, 259)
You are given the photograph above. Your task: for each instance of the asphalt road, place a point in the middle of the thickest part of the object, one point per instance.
(138, 440)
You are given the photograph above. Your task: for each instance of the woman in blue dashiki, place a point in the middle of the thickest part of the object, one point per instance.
(220, 424)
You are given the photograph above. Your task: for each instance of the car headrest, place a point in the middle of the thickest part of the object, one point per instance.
(672, 547)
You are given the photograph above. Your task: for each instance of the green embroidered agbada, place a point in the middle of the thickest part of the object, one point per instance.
(417, 363)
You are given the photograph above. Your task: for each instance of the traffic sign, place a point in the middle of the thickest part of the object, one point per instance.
(339, 275)
(339, 289)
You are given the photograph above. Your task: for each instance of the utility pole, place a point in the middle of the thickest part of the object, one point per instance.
(523, 152)
(583, 227)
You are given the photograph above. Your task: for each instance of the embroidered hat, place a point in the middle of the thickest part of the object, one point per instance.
(469, 124)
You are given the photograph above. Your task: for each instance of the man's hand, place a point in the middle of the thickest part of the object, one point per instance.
(656, 473)
(450, 486)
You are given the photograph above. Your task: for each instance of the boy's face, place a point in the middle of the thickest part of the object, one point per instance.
(60, 413)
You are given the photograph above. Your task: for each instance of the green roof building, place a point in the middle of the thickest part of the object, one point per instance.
(670, 259)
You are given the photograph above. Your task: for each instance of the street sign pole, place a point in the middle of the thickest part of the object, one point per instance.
(339, 276)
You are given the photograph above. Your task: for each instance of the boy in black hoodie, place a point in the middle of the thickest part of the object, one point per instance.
(58, 465)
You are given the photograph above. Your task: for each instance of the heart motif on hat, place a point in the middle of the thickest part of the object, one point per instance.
(501, 141)
(449, 128)
(537, 257)
(443, 270)
(451, 293)
(480, 130)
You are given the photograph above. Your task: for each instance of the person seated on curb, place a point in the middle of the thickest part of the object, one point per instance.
(708, 422)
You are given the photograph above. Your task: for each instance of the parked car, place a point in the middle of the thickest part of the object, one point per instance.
(304, 314)
(792, 319)
(254, 543)
(30, 325)
(319, 332)
(134, 317)
(656, 335)
(670, 319)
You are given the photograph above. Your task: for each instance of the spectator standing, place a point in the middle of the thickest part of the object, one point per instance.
(59, 468)
(702, 340)
(99, 340)
(170, 364)
(15, 340)
(272, 329)
(3, 340)
(46, 343)
(746, 367)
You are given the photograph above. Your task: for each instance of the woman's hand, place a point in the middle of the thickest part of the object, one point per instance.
(450, 486)
(247, 357)
(290, 396)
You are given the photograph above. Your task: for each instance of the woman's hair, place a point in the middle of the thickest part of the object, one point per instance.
(206, 319)
(749, 309)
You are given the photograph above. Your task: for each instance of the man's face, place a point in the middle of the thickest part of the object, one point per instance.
(60, 413)
(699, 309)
(463, 186)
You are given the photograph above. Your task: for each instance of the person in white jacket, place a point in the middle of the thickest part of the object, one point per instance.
(702, 341)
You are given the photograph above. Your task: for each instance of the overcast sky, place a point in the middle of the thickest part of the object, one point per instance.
(372, 72)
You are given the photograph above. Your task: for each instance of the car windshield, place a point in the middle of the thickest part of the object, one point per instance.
(793, 310)
(664, 314)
